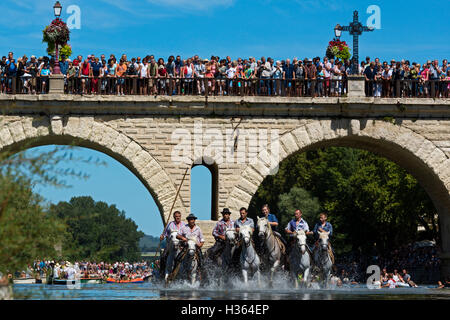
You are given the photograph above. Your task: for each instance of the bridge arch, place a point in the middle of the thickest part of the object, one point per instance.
(85, 132)
(418, 155)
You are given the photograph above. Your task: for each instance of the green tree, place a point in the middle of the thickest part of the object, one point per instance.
(97, 231)
(27, 231)
(369, 199)
(298, 198)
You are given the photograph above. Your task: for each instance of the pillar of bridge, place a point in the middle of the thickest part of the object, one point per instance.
(356, 86)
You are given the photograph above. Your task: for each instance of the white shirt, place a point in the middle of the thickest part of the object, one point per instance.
(231, 72)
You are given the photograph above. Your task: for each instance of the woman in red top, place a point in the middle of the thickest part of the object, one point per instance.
(85, 73)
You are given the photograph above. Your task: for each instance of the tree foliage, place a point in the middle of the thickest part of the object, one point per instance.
(27, 232)
(98, 231)
(369, 199)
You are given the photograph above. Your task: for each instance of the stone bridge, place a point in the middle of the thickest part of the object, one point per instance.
(138, 132)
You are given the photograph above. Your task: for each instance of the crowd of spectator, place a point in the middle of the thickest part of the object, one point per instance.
(67, 270)
(422, 261)
(222, 76)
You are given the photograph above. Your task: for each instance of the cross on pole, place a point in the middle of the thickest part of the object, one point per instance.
(355, 29)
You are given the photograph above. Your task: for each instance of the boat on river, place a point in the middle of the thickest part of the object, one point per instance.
(97, 280)
(29, 281)
(137, 280)
(63, 281)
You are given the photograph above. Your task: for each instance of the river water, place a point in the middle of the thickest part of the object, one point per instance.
(234, 291)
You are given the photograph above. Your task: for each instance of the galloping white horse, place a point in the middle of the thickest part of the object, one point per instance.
(299, 258)
(189, 264)
(173, 249)
(322, 257)
(275, 255)
(249, 259)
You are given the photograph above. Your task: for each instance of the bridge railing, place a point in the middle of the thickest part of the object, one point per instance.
(409, 88)
(134, 85)
(24, 85)
(206, 86)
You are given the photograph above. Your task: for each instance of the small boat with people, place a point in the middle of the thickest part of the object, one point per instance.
(137, 280)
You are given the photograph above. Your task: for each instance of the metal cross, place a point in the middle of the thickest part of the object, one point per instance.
(356, 29)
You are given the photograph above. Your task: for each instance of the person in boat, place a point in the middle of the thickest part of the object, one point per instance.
(219, 234)
(296, 224)
(273, 221)
(244, 220)
(191, 229)
(176, 224)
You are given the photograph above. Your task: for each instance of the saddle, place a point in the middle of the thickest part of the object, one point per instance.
(330, 252)
(281, 244)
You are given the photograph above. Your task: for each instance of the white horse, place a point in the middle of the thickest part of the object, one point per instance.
(249, 259)
(300, 259)
(273, 246)
(189, 264)
(173, 249)
(322, 257)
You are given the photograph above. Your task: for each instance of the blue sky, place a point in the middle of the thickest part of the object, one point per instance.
(115, 184)
(413, 29)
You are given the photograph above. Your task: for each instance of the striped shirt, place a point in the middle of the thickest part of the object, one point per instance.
(186, 232)
(172, 226)
(221, 226)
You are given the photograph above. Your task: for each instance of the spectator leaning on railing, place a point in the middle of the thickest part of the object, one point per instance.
(215, 76)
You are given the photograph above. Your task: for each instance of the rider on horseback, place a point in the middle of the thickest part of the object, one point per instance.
(176, 224)
(273, 221)
(192, 230)
(219, 235)
(244, 220)
(297, 224)
(322, 226)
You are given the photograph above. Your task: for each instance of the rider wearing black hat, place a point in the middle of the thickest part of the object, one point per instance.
(219, 234)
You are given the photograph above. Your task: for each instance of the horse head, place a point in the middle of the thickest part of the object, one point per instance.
(300, 238)
(323, 240)
(245, 233)
(230, 236)
(173, 239)
(191, 245)
(263, 226)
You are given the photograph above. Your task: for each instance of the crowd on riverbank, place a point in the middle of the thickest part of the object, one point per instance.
(67, 270)
(222, 76)
(422, 262)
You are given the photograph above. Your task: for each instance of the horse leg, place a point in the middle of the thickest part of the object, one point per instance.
(273, 269)
(258, 275)
(306, 277)
(245, 275)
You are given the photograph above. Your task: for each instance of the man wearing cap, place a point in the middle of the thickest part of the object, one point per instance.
(190, 230)
(219, 234)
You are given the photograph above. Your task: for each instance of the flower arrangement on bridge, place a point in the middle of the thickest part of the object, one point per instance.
(338, 49)
(56, 32)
